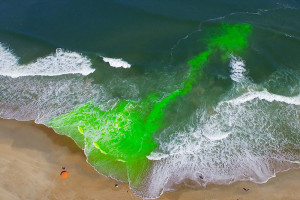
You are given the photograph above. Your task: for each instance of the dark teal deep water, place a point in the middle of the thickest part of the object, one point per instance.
(240, 121)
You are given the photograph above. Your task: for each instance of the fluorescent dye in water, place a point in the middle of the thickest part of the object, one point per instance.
(117, 141)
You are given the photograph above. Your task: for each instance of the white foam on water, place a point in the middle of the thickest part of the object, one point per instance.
(264, 95)
(42, 98)
(247, 140)
(237, 69)
(157, 156)
(247, 98)
(61, 62)
(116, 62)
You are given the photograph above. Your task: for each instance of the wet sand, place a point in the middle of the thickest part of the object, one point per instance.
(32, 157)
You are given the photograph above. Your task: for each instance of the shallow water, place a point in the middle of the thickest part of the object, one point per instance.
(239, 121)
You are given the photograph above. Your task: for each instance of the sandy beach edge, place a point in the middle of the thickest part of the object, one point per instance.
(32, 157)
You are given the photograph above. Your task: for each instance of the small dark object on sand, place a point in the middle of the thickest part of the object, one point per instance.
(63, 168)
(201, 177)
(116, 185)
(246, 189)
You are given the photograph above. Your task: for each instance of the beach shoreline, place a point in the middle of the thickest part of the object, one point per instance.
(32, 155)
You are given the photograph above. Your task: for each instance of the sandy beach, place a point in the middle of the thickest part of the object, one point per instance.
(32, 157)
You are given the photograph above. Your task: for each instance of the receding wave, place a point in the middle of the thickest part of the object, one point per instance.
(41, 98)
(233, 142)
(61, 62)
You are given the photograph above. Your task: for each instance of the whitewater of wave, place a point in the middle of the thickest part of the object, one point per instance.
(237, 69)
(239, 140)
(42, 98)
(116, 62)
(62, 62)
(249, 137)
(264, 95)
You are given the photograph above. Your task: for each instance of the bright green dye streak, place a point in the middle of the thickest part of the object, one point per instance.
(118, 140)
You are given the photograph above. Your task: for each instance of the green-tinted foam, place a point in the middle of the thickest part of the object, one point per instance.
(117, 141)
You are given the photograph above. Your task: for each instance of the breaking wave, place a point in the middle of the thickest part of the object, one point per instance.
(264, 95)
(237, 69)
(59, 63)
(116, 62)
(240, 139)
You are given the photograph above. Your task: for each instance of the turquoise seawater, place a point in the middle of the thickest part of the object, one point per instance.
(122, 78)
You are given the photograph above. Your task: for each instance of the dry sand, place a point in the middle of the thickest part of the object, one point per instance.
(31, 158)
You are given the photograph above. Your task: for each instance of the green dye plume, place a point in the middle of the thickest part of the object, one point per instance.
(118, 141)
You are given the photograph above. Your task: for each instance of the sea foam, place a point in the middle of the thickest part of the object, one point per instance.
(237, 69)
(41, 98)
(116, 62)
(264, 95)
(61, 62)
(242, 139)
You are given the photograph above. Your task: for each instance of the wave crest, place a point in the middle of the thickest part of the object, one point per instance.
(59, 63)
(116, 62)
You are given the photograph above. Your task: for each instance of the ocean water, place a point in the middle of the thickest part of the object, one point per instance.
(159, 93)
